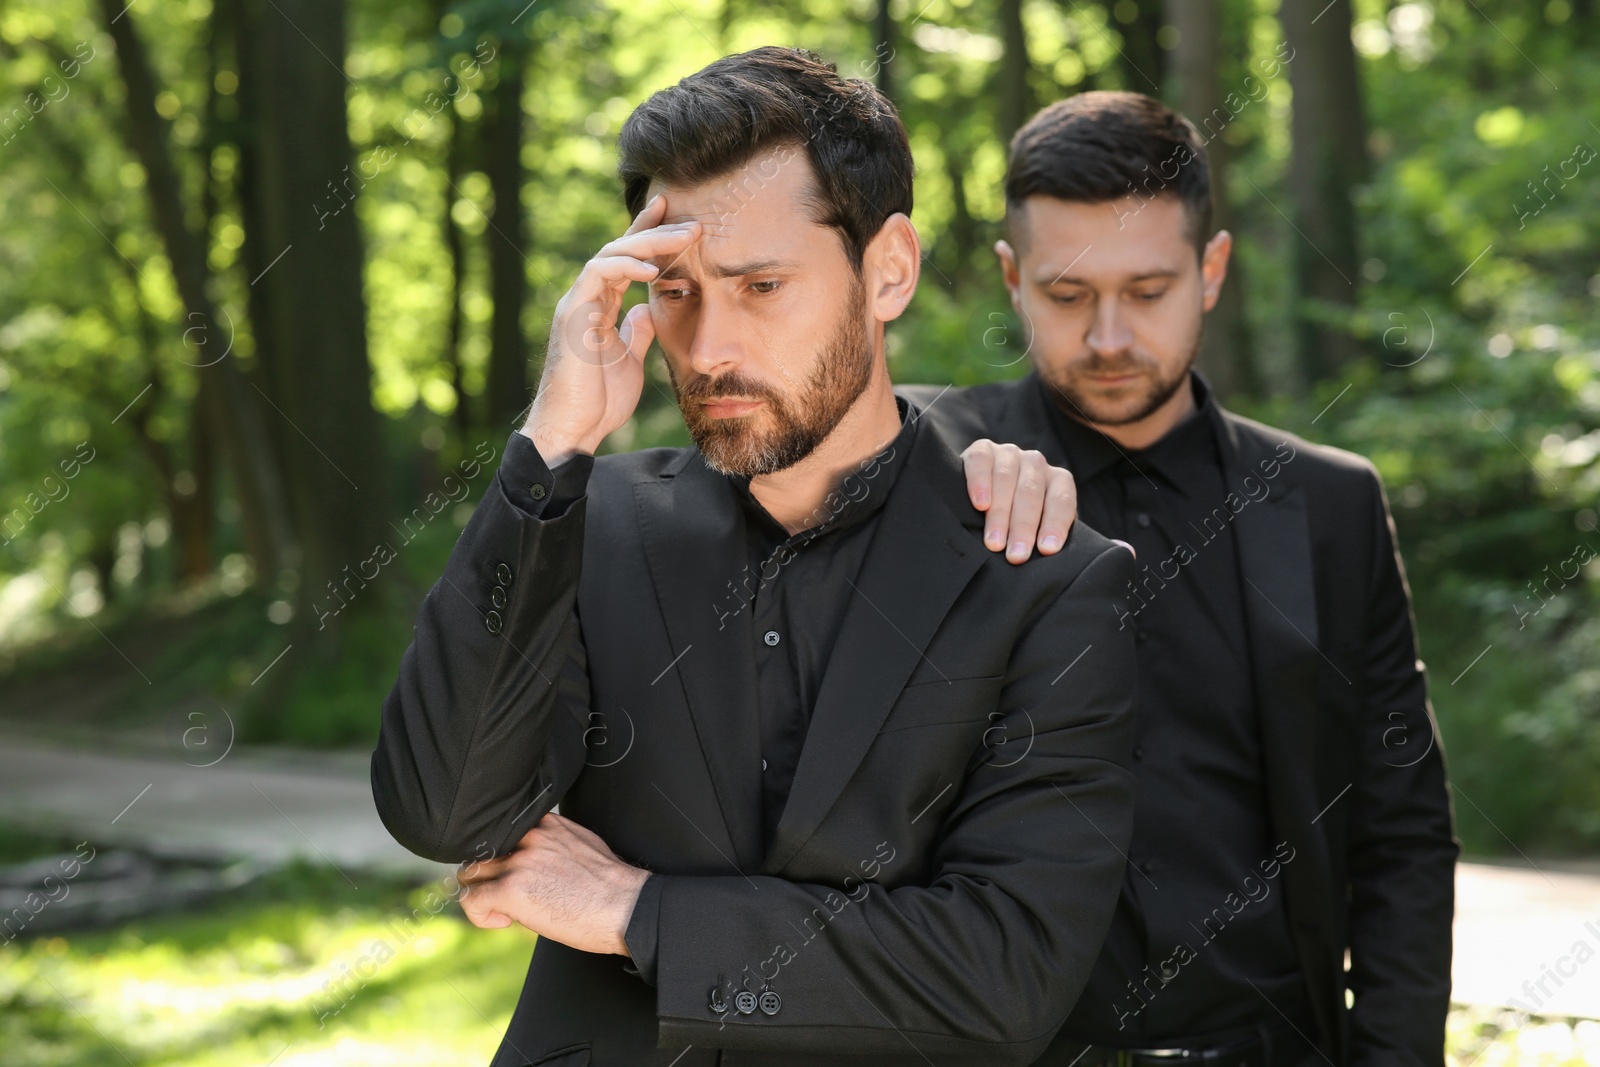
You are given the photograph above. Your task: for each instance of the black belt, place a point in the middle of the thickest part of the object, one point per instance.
(1278, 1045)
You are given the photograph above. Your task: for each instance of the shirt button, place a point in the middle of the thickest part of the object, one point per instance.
(1143, 518)
(771, 637)
(1138, 637)
(536, 490)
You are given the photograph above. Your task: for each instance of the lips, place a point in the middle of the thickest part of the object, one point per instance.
(728, 408)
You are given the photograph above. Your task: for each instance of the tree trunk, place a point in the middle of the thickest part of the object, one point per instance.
(507, 392)
(310, 314)
(1197, 93)
(1327, 160)
(883, 49)
(231, 411)
(1016, 100)
(458, 273)
(1143, 60)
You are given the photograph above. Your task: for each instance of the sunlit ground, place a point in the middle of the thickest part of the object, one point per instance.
(305, 971)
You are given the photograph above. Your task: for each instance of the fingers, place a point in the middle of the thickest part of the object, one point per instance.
(653, 212)
(994, 467)
(1060, 511)
(477, 903)
(657, 241)
(1027, 500)
(978, 460)
(638, 330)
(1027, 506)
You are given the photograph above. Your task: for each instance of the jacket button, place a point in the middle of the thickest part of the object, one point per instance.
(744, 1001)
(492, 622)
(718, 1004)
(1143, 518)
(536, 490)
(771, 637)
(770, 1003)
(497, 596)
(502, 574)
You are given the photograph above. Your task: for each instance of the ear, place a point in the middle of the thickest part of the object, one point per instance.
(1010, 272)
(1214, 267)
(890, 267)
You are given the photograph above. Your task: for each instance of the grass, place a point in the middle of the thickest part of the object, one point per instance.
(306, 971)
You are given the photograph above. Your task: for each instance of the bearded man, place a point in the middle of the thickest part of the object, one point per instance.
(837, 784)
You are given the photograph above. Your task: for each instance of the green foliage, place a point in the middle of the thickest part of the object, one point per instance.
(1478, 398)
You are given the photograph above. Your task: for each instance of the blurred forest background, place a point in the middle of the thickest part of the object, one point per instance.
(275, 277)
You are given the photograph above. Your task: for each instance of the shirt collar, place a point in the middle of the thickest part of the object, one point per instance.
(1177, 457)
(859, 494)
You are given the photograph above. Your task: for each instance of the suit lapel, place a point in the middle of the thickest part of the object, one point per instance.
(1275, 563)
(694, 540)
(920, 558)
(1274, 545)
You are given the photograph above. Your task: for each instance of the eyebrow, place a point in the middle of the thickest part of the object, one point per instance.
(730, 270)
(1046, 278)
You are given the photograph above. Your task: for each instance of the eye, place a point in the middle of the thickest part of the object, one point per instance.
(768, 286)
(1066, 299)
(1150, 296)
(673, 294)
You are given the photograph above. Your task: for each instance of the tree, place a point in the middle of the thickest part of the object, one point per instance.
(506, 393)
(1328, 160)
(1197, 93)
(304, 251)
(232, 414)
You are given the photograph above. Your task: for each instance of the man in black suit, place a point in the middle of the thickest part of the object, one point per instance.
(837, 785)
(1292, 805)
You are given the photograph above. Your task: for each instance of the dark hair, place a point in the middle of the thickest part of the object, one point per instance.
(1102, 146)
(717, 119)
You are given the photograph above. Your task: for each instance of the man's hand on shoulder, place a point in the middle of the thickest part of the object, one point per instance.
(1027, 501)
(561, 882)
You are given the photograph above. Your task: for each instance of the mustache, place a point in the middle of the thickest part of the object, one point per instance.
(1097, 364)
(729, 384)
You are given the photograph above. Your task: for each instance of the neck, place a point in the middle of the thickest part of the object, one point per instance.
(794, 496)
(1154, 426)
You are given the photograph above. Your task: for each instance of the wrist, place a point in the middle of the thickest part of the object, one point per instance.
(554, 448)
(632, 884)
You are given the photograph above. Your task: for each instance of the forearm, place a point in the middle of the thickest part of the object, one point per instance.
(490, 664)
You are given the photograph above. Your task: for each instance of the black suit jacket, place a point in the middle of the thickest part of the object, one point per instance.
(949, 856)
(1355, 773)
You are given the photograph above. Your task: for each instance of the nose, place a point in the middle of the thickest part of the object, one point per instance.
(718, 344)
(1108, 334)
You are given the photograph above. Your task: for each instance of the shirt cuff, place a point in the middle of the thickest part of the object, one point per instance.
(530, 485)
(641, 935)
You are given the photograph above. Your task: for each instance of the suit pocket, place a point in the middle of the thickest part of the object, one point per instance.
(571, 1056)
(956, 702)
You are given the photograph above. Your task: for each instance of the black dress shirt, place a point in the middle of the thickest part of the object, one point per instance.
(791, 596)
(1199, 921)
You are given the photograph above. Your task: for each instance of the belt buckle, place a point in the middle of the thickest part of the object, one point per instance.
(1135, 1057)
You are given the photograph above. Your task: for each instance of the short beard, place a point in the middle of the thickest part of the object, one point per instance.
(734, 447)
(1079, 404)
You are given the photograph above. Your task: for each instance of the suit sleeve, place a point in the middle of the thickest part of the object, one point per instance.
(1402, 843)
(980, 961)
(482, 731)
